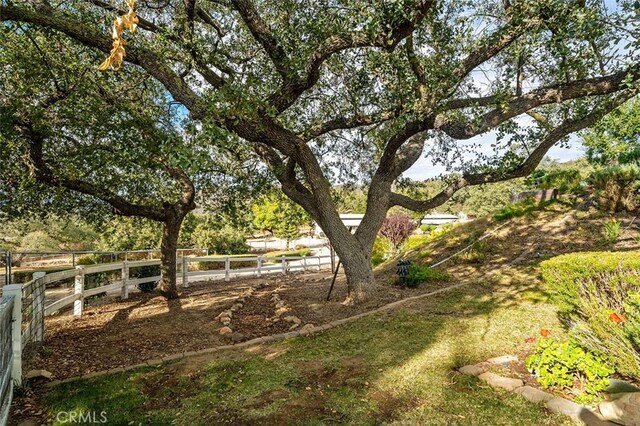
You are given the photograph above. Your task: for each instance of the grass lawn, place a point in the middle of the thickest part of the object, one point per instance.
(396, 367)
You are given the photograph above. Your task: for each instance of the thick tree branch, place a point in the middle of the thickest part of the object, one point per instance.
(285, 174)
(42, 173)
(263, 35)
(525, 168)
(543, 96)
(388, 39)
(342, 123)
(90, 37)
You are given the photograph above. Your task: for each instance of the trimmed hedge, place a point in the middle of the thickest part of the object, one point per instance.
(599, 299)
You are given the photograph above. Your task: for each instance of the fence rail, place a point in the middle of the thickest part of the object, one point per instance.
(35, 307)
(6, 357)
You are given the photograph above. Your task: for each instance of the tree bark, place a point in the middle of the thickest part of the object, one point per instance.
(168, 258)
(361, 283)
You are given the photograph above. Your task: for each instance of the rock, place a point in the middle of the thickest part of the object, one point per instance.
(623, 408)
(280, 304)
(307, 328)
(533, 394)
(225, 321)
(237, 337)
(503, 360)
(281, 311)
(224, 314)
(225, 330)
(293, 319)
(575, 411)
(501, 382)
(38, 374)
(240, 300)
(293, 327)
(234, 308)
(472, 370)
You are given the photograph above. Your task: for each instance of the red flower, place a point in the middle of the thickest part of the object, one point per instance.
(530, 339)
(545, 333)
(617, 318)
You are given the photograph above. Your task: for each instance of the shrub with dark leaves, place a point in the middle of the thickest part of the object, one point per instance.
(397, 228)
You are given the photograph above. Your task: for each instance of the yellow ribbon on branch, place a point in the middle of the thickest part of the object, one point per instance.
(127, 21)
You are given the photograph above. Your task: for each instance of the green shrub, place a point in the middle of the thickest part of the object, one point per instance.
(144, 271)
(289, 253)
(563, 180)
(87, 259)
(419, 274)
(597, 296)
(413, 242)
(611, 230)
(516, 210)
(376, 260)
(617, 188)
(569, 366)
(427, 229)
(220, 241)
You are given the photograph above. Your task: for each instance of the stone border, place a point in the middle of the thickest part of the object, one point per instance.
(258, 340)
(553, 403)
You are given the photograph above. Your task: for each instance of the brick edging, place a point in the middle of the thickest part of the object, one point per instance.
(258, 340)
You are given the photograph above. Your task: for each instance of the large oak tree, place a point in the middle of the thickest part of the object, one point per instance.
(327, 90)
(75, 139)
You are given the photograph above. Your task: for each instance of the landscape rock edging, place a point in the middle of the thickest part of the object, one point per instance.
(553, 403)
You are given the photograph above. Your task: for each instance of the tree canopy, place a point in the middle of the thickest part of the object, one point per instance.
(329, 91)
(618, 134)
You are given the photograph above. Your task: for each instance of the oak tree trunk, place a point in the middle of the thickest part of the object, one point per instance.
(361, 283)
(170, 232)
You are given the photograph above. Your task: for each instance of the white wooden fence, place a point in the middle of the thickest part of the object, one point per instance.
(26, 305)
(6, 358)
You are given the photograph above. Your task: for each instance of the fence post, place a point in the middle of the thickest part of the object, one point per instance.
(38, 305)
(125, 280)
(319, 262)
(15, 290)
(78, 289)
(304, 263)
(284, 265)
(227, 267)
(259, 266)
(185, 271)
